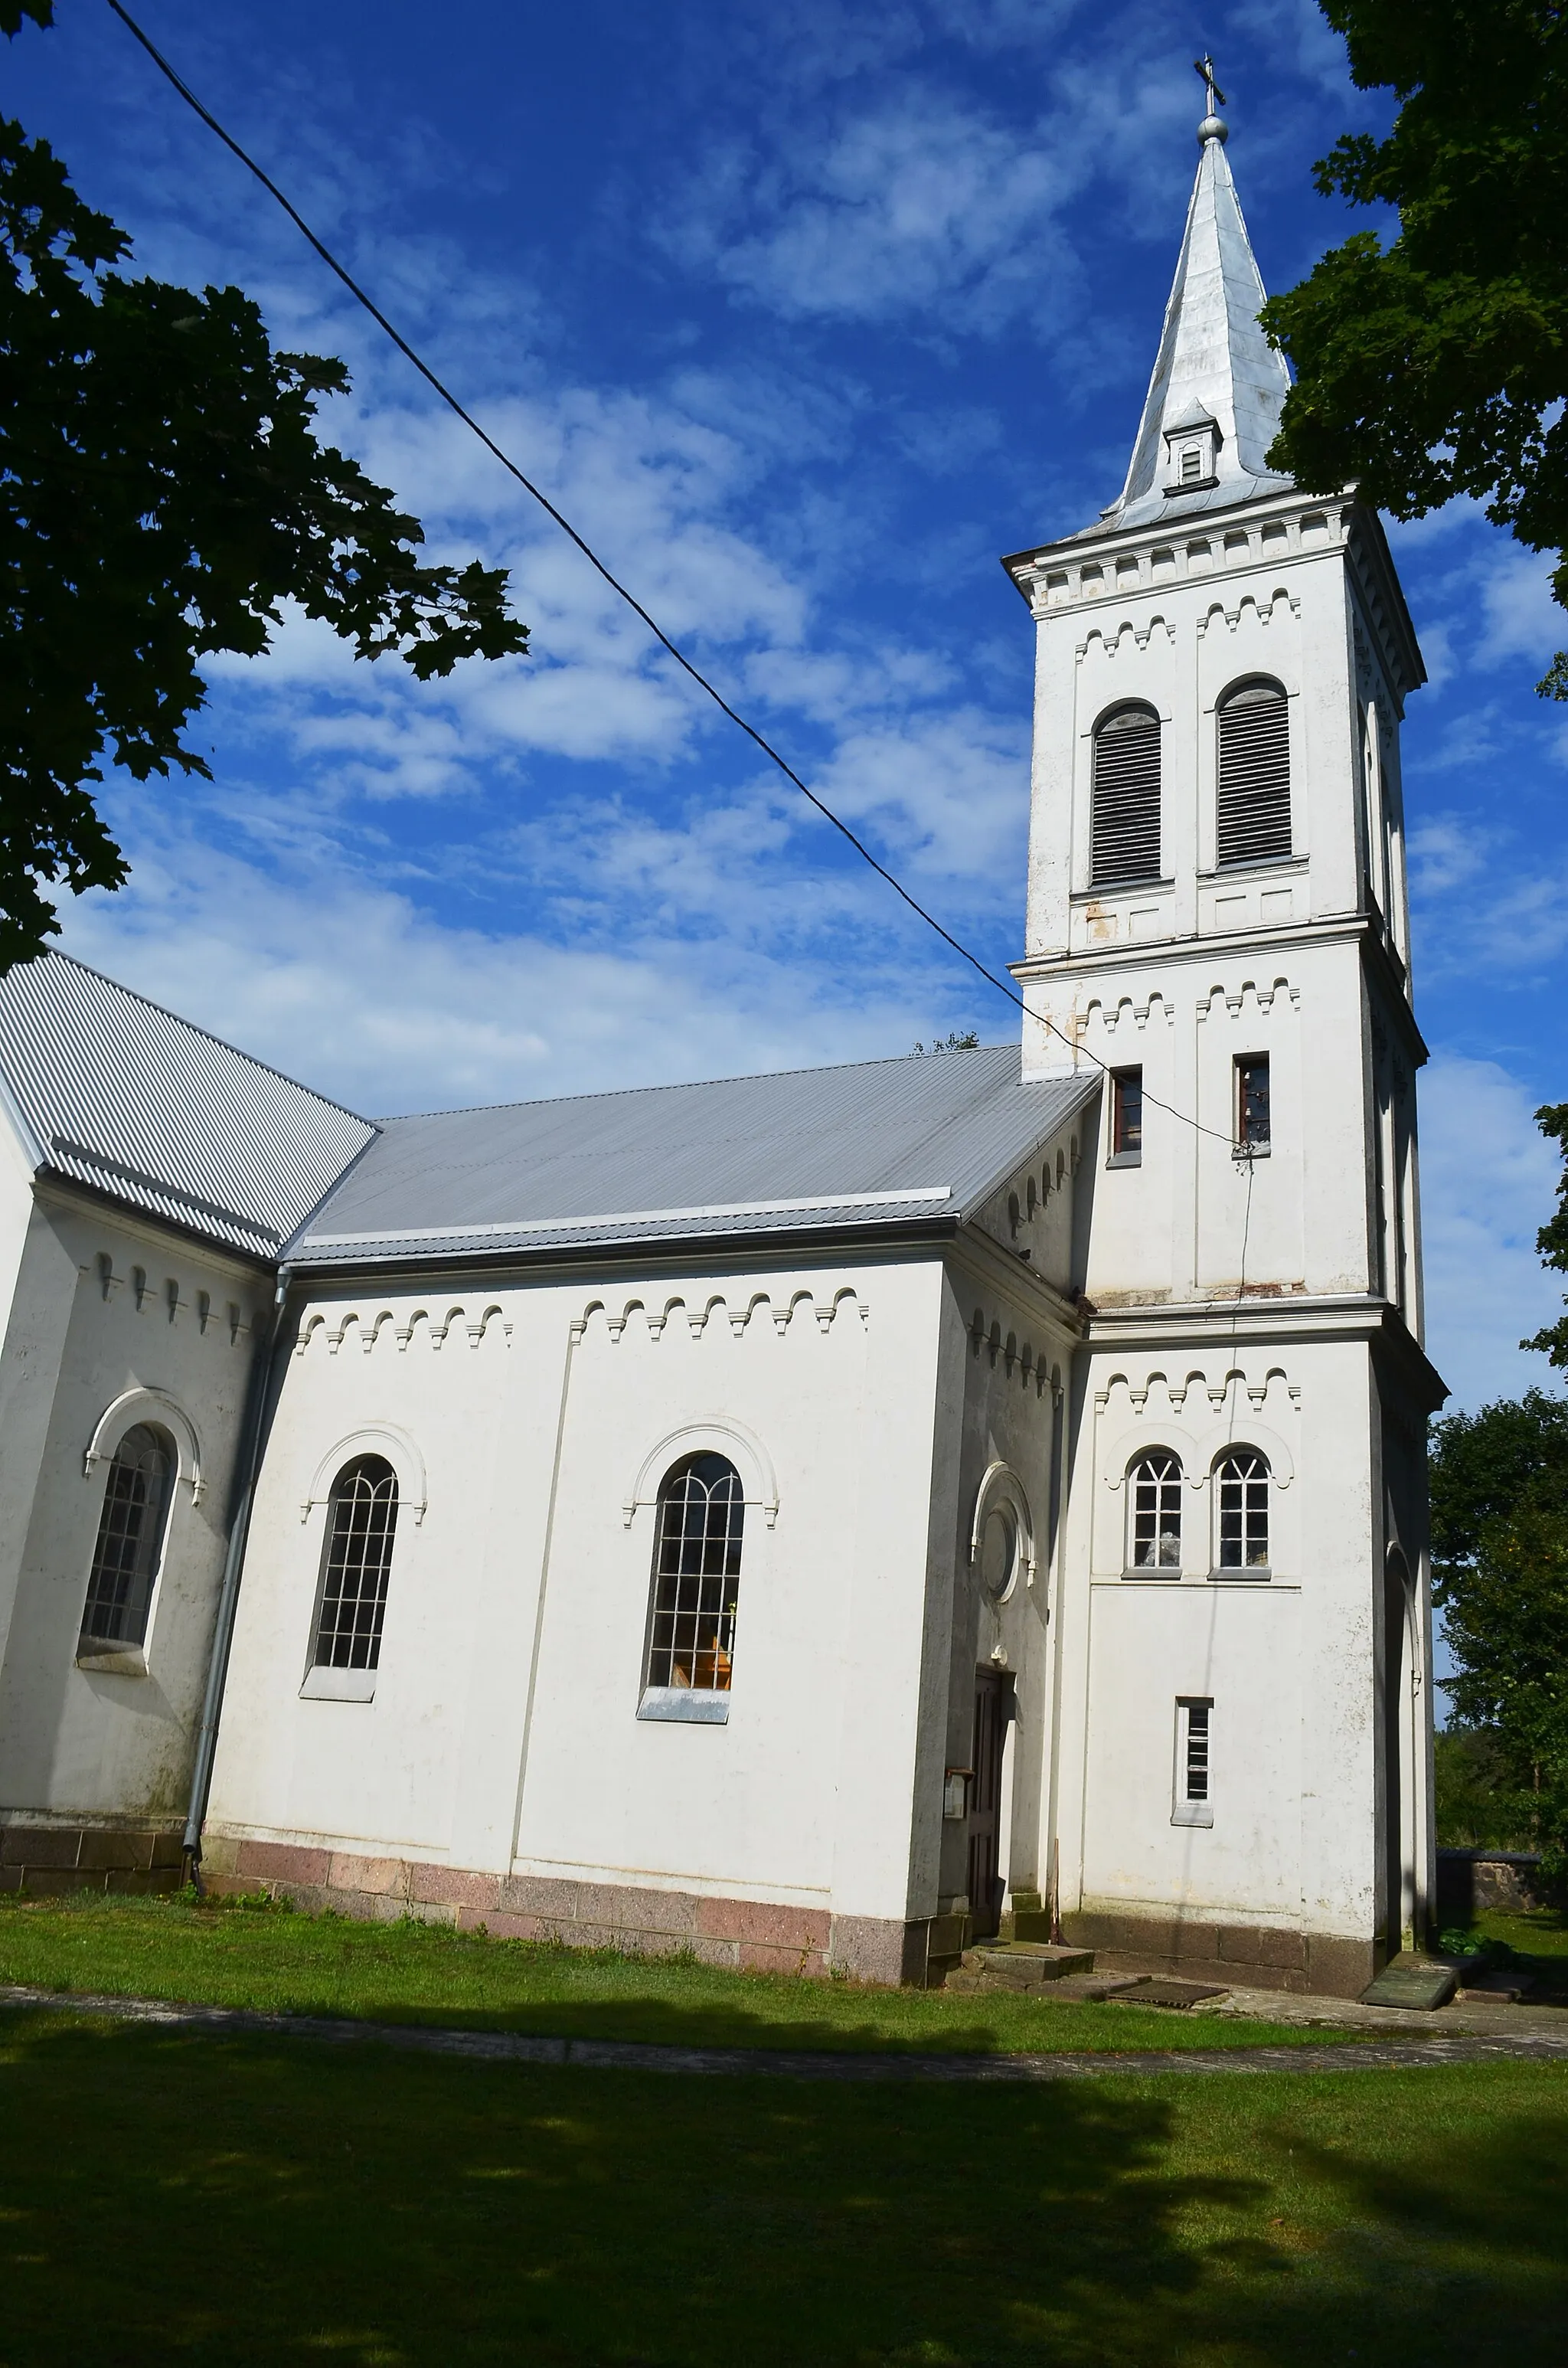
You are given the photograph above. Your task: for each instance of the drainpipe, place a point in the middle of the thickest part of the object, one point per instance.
(248, 1462)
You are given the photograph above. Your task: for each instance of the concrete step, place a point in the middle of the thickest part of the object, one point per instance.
(1024, 1965)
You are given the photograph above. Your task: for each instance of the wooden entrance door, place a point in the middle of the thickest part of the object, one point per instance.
(993, 1697)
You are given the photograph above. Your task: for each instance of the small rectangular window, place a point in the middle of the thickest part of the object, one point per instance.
(1252, 1101)
(1127, 1116)
(1194, 1733)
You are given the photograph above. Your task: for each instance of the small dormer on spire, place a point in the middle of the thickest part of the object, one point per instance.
(1212, 409)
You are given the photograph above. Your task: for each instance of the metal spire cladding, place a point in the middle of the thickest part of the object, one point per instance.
(1213, 403)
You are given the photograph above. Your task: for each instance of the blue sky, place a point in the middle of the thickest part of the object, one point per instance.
(805, 317)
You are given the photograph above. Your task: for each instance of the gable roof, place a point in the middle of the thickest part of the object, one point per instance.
(114, 1092)
(884, 1144)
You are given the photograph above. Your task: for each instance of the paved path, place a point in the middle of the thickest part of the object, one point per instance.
(797, 2063)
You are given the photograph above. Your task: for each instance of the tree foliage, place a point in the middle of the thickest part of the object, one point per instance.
(1438, 364)
(1552, 1239)
(162, 492)
(1500, 1571)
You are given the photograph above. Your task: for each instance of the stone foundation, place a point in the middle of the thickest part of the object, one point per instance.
(744, 1935)
(1256, 1955)
(89, 1858)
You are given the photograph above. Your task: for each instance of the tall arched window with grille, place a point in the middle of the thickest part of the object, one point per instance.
(696, 1571)
(1125, 832)
(130, 1540)
(1254, 811)
(361, 1525)
(1241, 1481)
(1153, 1514)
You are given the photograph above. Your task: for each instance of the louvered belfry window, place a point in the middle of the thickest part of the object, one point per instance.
(1255, 776)
(1127, 797)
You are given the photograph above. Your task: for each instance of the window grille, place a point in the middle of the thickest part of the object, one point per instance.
(1155, 1494)
(1244, 1511)
(1126, 830)
(1253, 816)
(131, 1538)
(1126, 1115)
(696, 1570)
(1252, 1101)
(1193, 1804)
(1191, 463)
(357, 1560)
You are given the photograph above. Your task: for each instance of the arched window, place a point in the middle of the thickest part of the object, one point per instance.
(1242, 1506)
(361, 1524)
(131, 1538)
(1153, 1513)
(1126, 828)
(696, 1570)
(1254, 814)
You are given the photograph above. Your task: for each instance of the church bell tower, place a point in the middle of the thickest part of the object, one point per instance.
(1217, 920)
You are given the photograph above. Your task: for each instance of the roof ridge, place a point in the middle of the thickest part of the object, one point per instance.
(685, 1084)
(58, 953)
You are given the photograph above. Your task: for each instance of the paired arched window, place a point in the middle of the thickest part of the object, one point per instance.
(361, 1526)
(131, 1538)
(1154, 1513)
(1241, 1480)
(1241, 1511)
(696, 1571)
(1125, 830)
(1252, 816)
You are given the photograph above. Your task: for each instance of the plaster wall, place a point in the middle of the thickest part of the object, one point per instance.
(87, 1354)
(1289, 1661)
(504, 1733)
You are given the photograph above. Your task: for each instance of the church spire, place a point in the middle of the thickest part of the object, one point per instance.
(1213, 403)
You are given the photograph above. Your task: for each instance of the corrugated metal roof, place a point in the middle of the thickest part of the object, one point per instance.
(123, 1096)
(884, 1142)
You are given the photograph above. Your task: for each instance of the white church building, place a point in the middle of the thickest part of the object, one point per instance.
(805, 1519)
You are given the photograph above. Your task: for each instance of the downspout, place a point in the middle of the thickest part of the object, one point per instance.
(248, 1462)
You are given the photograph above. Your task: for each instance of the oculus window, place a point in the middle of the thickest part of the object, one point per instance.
(129, 1543)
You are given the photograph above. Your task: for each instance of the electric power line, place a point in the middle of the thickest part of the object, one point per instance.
(698, 676)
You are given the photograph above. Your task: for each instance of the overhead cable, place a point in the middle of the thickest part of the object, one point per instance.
(591, 555)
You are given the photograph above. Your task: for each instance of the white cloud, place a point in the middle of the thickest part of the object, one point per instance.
(349, 986)
(1487, 1178)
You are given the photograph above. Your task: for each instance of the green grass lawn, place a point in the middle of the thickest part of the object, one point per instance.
(419, 1972)
(1537, 1942)
(166, 2197)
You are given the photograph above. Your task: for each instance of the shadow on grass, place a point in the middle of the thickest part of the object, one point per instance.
(167, 2197)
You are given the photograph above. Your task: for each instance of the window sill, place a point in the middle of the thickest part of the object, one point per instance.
(107, 1659)
(1152, 1577)
(1141, 884)
(687, 1705)
(1252, 1575)
(339, 1685)
(1193, 1813)
(1124, 1159)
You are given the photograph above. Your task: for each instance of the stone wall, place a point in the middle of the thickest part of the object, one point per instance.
(88, 1858)
(1472, 1880)
(744, 1935)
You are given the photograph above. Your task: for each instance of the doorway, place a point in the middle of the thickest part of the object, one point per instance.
(992, 1707)
(1396, 1698)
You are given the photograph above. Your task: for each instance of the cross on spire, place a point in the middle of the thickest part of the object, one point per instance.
(1205, 66)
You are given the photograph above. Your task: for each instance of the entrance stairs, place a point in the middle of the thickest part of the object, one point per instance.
(1017, 1965)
